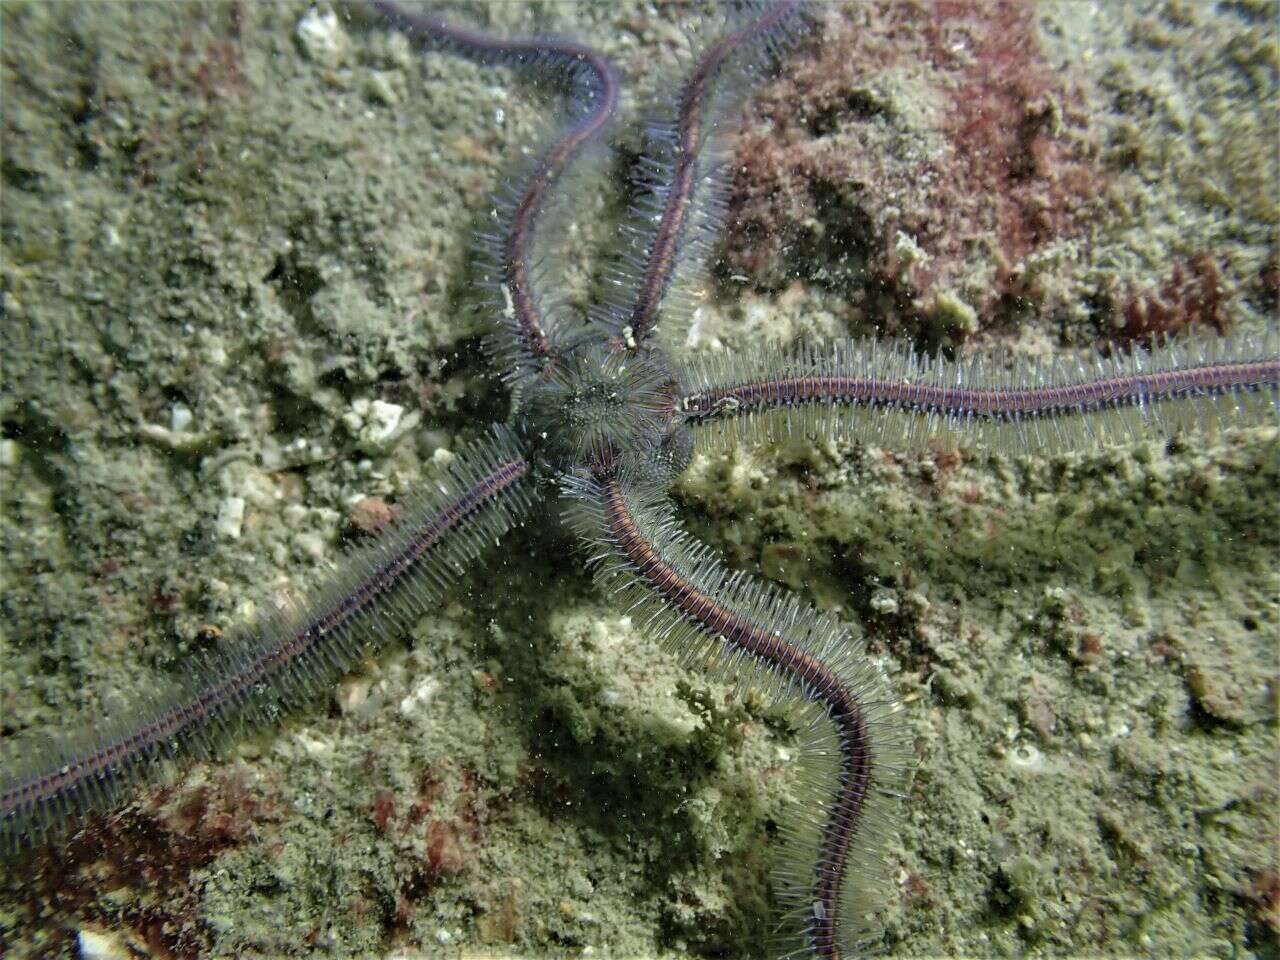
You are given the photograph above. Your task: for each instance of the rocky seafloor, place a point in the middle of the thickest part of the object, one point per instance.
(238, 326)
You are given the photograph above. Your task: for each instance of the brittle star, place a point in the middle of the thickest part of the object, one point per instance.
(611, 420)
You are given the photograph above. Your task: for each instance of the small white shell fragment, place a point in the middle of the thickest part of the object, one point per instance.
(1026, 757)
(8, 453)
(100, 945)
(322, 37)
(383, 419)
(180, 418)
(315, 746)
(420, 695)
(230, 520)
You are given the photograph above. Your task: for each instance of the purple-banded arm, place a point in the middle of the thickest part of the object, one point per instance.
(892, 397)
(852, 760)
(675, 223)
(527, 344)
(288, 657)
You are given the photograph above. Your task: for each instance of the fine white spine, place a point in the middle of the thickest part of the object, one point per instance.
(677, 590)
(892, 397)
(286, 658)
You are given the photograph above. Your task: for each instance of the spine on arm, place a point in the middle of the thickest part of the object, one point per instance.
(526, 341)
(288, 657)
(892, 397)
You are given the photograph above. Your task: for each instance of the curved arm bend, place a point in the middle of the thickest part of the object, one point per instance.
(853, 755)
(526, 341)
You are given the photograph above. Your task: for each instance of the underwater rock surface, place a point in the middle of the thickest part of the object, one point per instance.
(236, 294)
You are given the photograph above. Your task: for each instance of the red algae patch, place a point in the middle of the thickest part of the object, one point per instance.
(148, 857)
(919, 158)
(1194, 294)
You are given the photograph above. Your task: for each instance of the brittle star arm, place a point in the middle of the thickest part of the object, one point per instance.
(683, 202)
(853, 758)
(527, 342)
(892, 397)
(290, 656)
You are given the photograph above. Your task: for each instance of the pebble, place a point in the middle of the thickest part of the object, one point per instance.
(352, 693)
(381, 87)
(98, 945)
(884, 602)
(321, 36)
(399, 52)
(313, 745)
(382, 421)
(310, 545)
(378, 424)
(180, 418)
(230, 520)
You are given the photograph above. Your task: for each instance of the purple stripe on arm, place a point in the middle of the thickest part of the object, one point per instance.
(773, 651)
(983, 404)
(664, 250)
(530, 327)
(57, 786)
